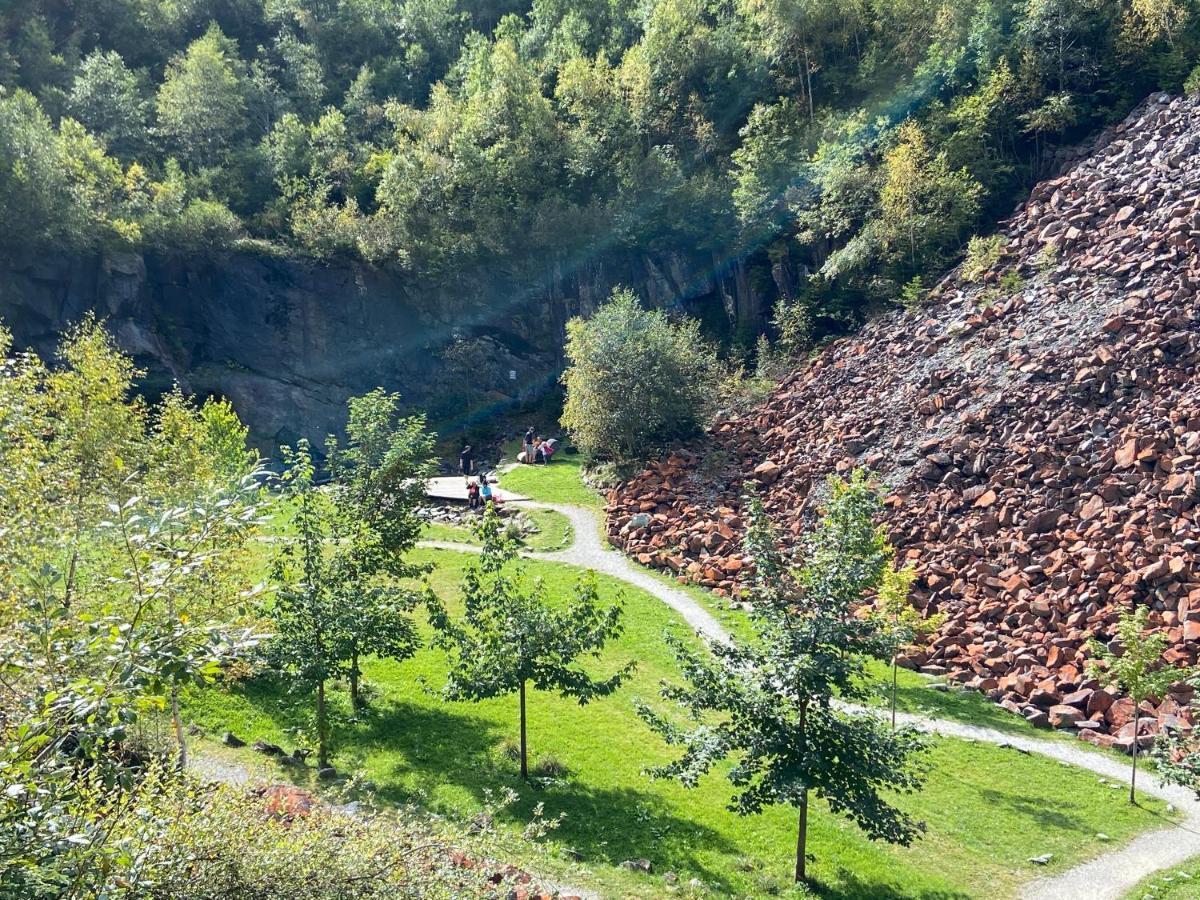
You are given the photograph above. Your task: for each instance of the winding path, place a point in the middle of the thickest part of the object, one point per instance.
(1108, 877)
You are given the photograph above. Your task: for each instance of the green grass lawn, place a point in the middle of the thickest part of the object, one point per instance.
(559, 482)
(1180, 883)
(554, 531)
(988, 809)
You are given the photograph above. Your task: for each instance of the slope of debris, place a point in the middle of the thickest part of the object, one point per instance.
(1038, 430)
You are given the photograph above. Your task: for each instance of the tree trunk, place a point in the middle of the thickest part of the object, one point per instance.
(893, 693)
(355, 672)
(802, 840)
(322, 727)
(177, 720)
(1133, 775)
(524, 757)
(802, 830)
(808, 86)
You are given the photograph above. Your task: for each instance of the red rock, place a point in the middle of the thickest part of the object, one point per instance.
(1063, 716)
(1039, 490)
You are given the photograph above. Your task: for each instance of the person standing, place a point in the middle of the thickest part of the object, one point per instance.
(529, 451)
(466, 462)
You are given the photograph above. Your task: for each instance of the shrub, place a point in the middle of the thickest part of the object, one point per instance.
(1191, 85)
(1047, 258)
(912, 295)
(550, 767)
(635, 379)
(982, 255)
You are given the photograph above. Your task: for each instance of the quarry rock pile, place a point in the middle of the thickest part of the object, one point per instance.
(1037, 431)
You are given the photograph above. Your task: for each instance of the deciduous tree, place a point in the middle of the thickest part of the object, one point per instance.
(1136, 666)
(773, 704)
(512, 636)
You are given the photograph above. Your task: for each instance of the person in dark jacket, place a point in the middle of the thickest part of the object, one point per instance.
(529, 451)
(466, 461)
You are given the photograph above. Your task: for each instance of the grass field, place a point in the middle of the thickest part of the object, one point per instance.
(554, 531)
(559, 482)
(988, 809)
(1180, 883)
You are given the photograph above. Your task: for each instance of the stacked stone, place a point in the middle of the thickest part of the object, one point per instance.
(1038, 431)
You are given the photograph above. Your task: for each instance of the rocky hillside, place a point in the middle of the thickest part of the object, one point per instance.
(1038, 429)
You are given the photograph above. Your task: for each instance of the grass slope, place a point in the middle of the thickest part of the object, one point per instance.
(988, 809)
(559, 482)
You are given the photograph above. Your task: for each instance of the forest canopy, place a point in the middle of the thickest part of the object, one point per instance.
(857, 142)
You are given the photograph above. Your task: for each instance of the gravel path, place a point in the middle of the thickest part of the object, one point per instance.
(1108, 877)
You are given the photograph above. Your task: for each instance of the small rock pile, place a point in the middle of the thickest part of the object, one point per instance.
(1038, 430)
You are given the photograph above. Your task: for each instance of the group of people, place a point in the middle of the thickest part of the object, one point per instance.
(479, 489)
(537, 449)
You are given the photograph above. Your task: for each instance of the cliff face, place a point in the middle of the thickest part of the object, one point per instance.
(288, 341)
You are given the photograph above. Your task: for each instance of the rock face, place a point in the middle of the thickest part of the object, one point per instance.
(1038, 432)
(288, 340)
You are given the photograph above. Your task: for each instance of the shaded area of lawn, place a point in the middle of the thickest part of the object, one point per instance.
(988, 809)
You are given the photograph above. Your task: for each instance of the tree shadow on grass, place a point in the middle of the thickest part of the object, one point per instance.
(441, 746)
(957, 704)
(1039, 811)
(851, 886)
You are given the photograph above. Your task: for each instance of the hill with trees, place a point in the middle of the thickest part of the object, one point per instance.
(821, 153)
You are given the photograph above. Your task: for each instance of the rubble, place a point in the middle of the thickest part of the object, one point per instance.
(1038, 439)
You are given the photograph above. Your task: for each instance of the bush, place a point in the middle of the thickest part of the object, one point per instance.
(1191, 85)
(635, 379)
(982, 255)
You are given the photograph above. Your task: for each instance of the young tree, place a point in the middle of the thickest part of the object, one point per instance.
(512, 635)
(900, 623)
(378, 486)
(107, 97)
(98, 429)
(306, 615)
(341, 595)
(1137, 668)
(635, 378)
(202, 101)
(771, 703)
(926, 205)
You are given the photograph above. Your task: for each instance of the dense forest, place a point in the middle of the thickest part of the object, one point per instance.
(844, 148)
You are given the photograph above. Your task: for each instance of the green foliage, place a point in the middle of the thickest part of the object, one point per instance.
(512, 635)
(121, 579)
(900, 623)
(341, 592)
(1191, 86)
(983, 253)
(770, 703)
(1136, 666)
(925, 204)
(861, 143)
(913, 294)
(201, 103)
(635, 379)
(108, 98)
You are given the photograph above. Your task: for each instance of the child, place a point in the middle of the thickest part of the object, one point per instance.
(473, 495)
(485, 490)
